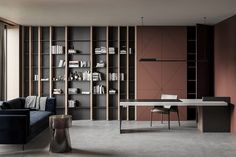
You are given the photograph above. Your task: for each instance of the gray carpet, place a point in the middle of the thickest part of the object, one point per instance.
(102, 139)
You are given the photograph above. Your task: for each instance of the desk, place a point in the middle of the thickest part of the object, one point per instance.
(211, 114)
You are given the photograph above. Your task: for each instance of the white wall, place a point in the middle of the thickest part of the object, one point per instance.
(13, 72)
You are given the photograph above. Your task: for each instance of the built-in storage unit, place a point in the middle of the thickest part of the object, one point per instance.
(88, 69)
(191, 70)
(200, 45)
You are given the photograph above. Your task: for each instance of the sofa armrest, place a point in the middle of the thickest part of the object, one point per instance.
(14, 129)
(51, 105)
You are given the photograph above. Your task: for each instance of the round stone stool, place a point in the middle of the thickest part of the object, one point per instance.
(59, 132)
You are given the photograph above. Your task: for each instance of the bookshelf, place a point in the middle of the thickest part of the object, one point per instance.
(87, 68)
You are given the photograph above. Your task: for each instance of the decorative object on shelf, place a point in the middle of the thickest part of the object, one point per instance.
(123, 50)
(112, 91)
(122, 76)
(57, 91)
(44, 79)
(85, 92)
(59, 78)
(36, 77)
(100, 64)
(73, 90)
(111, 50)
(72, 51)
(73, 103)
(101, 50)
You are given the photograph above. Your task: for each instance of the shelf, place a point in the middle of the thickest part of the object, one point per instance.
(79, 81)
(79, 94)
(82, 107)
(58, 67)
(54, 40)
(191, 80)
(99, 107)
(79, 67)
(78, 54)
(78, 40)
(83, 40)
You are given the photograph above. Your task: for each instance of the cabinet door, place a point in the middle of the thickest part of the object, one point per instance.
(149, 42)
(174, 41)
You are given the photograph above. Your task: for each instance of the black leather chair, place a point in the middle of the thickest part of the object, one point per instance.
(165, 109)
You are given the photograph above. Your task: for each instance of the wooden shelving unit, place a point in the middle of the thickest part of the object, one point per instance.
(191, 69)
(41, 73)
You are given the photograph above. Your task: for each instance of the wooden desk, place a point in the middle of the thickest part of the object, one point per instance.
(210, 113)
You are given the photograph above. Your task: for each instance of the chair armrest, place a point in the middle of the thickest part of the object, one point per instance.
(51, 105)
(14, 129)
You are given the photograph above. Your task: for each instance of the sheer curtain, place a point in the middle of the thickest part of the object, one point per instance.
(2, 64)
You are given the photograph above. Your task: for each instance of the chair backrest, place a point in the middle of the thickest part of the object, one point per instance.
(168, 96)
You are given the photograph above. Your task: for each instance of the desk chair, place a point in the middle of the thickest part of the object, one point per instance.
(167, 109)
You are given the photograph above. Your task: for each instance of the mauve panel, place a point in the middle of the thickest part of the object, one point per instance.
(225, 63)
(156, 78)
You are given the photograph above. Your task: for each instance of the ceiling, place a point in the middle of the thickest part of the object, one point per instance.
(116, 12)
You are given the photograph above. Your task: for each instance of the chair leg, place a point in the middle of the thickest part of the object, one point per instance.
(178, 117)
(169, 120)
(151, 119)
(161, 118)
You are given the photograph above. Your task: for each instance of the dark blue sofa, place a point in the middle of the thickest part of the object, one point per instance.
(18, 125)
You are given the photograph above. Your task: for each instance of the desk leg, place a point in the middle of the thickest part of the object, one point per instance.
(121, 108)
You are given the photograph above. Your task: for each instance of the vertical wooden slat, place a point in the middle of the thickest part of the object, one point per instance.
(50, 61)
(107, 76)
(91, 71)
(127, 70)
(31, 78)
(39, 62)
(66, 70)
(135, 69)
(23, 62)
(118, 54)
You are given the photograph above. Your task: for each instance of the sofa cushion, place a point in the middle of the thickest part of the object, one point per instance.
(38, 120)
(17, 103)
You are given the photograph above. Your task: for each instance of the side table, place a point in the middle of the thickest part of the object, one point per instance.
(59, 132)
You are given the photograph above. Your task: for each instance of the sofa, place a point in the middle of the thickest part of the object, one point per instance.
(18, 124)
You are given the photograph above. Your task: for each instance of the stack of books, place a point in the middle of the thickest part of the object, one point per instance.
(111, 50)
(62, 63)
(122, 52)
(44, 79)
(99, 89)
(101, 64)
(86, 76)
(57, 49)
(112, 91)
(97, 76)
(72, 51)
(85, 92)
(100, 50)
(73, 90)
(73, 64)
(57, 91)
(113, 76)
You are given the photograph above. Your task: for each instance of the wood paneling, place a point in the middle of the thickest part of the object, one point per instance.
(225, 65)
(156, 78)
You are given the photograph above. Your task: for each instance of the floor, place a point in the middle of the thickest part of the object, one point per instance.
(102, 139)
